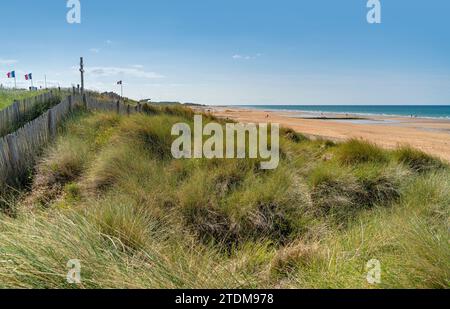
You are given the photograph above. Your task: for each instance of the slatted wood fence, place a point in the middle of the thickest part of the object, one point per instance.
(19, 150)
(93, 104)
(13, 113)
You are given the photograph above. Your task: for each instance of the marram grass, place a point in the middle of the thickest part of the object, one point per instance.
(108, 193)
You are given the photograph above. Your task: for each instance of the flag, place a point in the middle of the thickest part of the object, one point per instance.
(11, 74)
(29, 76)
(119, 82)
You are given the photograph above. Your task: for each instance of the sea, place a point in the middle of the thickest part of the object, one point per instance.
(420, 111)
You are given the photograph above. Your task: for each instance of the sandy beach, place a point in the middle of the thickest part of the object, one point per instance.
(429, 135)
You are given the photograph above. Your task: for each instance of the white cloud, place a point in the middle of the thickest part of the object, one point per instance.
(137, 66)
(239, 57)
(94, 50)
(114, 71)
(7, 61)
(245, 57)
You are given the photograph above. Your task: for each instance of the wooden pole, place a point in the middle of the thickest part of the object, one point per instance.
(82, 75)
(51, 125)
(69, 98)
(85, 101)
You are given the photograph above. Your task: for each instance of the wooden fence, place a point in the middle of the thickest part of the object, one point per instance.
(93, 104)
(13, 113)
(18, 151)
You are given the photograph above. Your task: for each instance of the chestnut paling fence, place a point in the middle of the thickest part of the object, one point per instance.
(19, 109)
(19, 150)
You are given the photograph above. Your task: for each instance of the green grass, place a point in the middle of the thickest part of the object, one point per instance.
(8, 96)
(418, 160)
(108, 193)
(33, 113)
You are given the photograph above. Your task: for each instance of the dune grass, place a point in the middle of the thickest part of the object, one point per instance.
(108, 193)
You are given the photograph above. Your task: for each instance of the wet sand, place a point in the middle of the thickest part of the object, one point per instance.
(430, 135)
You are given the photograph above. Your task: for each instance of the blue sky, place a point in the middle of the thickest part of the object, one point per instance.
(236, 51)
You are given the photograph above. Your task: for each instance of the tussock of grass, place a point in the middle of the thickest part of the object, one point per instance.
(356, 151)
(335, 194)
(342, 193)
(294, 136)
(417, 160)
(136, 218)
(179, 111)
(428, 253)
(382, 185)
(294, 256)
(150, 109)
(64, 162)
(125, 221)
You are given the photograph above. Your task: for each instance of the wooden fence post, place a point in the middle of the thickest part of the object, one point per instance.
(118, 107)
(13, 154)
(16, 110)
(50, 124)
(139, 107)
(69, 98)
(85, 105)
(128, 110)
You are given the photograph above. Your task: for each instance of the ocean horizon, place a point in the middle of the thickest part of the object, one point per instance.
(421, 111)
